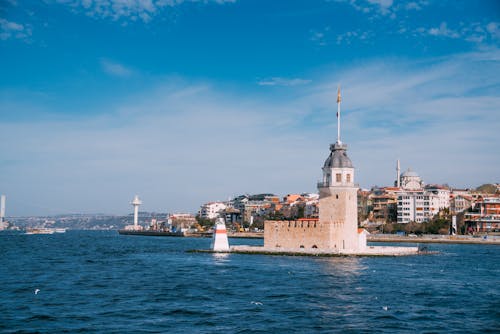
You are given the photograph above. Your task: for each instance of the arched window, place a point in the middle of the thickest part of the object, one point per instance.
(301, 246)
(314, 246)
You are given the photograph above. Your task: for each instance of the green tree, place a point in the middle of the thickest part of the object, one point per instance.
(487, 188)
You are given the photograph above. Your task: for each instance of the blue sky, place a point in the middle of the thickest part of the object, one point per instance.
(183, 102)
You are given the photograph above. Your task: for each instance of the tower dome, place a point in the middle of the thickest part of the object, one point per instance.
(338, 157)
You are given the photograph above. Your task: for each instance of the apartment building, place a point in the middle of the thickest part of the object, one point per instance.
(212, 210)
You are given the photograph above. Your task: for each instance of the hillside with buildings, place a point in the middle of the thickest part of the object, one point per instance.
(409, 205)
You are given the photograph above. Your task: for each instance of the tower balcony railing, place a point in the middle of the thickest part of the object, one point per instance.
(322, 184)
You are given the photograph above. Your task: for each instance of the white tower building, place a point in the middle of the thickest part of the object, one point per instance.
(135, 203)
(2, 208)
(338, 196)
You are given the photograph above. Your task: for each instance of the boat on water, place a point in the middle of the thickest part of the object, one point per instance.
(40, 231)
(44, 230)
(156, 233)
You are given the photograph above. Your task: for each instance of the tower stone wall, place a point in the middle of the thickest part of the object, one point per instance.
(339, 212)
(296, 234)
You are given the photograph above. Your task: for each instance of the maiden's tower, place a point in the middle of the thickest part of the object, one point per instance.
(335, 231)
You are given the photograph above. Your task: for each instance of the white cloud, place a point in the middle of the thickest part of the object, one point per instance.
(494, 29)
(382, 3)
(129, 9)
(115, 69)
(9, 29)
(443, 31)
(318, 37)
(180, 144)
(349, 36)
(480, 33)
(415, 5)
(384, 8)
(278, 81)
(323, 36)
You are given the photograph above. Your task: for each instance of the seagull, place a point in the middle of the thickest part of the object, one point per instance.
(256, 303)
(37, 291)
(385, 308)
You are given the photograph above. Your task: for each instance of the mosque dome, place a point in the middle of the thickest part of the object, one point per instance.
(338, 157)
(409, 173)
(411, 180)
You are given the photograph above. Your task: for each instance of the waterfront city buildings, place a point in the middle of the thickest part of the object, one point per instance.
(485, 217)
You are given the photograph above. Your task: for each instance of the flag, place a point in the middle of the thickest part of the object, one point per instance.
(339, 98)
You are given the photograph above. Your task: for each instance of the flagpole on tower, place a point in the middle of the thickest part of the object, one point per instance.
(339, 99)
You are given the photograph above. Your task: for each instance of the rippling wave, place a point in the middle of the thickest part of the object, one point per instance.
(101, 282)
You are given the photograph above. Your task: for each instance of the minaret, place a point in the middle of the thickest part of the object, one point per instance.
(398, 175)
(135, 203)
(338, 211)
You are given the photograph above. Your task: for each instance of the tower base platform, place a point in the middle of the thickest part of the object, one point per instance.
(368, 251)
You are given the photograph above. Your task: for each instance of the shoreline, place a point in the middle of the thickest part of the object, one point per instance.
(433, 238)
(394, 238)
(387, 238)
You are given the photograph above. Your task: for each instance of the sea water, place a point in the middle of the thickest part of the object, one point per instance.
(102, 282)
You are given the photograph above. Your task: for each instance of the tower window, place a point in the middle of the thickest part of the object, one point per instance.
(338, 177)
(348, 178)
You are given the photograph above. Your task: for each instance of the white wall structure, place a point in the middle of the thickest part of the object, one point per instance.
(443, 195)
(212, 210)
(417, 206)
(220, 242)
